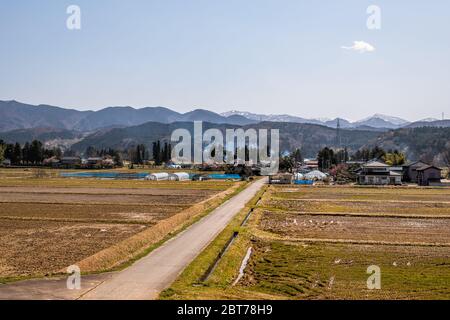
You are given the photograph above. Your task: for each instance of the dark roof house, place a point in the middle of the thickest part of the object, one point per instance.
(410, 170)
(428, 175)
(70, 160)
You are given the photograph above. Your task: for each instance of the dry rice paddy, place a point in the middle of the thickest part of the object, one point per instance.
(47, 224)
(317, 243)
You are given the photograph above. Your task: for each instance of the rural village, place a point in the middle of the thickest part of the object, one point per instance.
(107, 208)
(224, 159)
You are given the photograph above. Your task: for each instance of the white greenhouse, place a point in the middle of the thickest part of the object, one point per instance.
(315, 175)
(179, 176)
(159, 176)
(298, 176)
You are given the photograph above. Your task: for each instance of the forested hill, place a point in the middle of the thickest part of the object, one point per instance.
(430, 144)
(308, 137)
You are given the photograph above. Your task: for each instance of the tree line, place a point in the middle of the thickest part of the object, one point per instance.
(34, 153)
(31, 153)
(390, 157)
(92, 152)
(160, 153)
(329, 158)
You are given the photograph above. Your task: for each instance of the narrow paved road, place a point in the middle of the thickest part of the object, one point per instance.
(146, 278)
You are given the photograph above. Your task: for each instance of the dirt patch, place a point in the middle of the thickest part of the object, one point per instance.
(89, 212)
(49, 224)
(405, 208)
(43, 247)
(107, 191)
(99, 198)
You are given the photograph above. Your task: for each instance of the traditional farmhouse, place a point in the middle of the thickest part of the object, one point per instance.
(428, 175)
(410, 170)
(311, 164)
(94, 162)
(379, 173)
(70, 162)
(53, 161)
(108, 163)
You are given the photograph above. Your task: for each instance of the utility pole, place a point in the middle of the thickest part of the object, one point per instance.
(338, 133)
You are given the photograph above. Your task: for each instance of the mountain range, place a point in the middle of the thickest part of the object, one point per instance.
(16, 115)
(377, 121)
(124, 127)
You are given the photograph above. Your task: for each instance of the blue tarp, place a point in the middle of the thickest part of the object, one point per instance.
(224, 176)
(307, 182)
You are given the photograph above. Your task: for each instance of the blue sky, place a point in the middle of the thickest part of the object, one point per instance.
(254, 55)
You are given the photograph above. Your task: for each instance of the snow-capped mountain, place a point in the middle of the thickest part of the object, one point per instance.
(393, 120)
(270, 117)
(375, 121)
(429, 120)
(323, 119)
(382, 121)
(342, 123)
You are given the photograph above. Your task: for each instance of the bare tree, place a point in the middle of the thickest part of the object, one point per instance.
(446, 157)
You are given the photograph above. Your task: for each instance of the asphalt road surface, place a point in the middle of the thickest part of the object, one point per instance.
(147, 277)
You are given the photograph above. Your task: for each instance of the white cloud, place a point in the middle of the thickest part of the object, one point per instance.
(361, 47)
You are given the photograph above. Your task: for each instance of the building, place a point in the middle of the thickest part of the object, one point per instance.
(6, 163)
(108, 163)
(410, 170)
(428, 175)
(379, 173)
(310, 164)
(53, 162)
(281, 178)
(94, 162)
(70, 162)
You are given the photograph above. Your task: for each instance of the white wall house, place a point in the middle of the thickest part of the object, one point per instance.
(379, 173)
